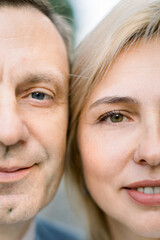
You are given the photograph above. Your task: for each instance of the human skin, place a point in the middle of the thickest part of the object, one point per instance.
(33, 113)
(118, 152)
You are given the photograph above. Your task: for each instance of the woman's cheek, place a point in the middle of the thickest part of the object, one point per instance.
(102, 152)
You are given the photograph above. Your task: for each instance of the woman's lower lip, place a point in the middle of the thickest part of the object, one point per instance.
(8, 177)
(144, 199)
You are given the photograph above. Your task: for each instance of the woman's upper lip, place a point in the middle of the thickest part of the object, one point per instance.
(144, 183)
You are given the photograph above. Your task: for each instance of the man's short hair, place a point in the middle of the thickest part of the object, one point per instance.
(45, 7)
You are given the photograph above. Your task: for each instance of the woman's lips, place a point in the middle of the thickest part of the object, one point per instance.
(13, 174)
(146, 193)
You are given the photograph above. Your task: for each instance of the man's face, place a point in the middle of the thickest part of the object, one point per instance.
(33, 112)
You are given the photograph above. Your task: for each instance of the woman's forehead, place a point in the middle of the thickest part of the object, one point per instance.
(139, 64)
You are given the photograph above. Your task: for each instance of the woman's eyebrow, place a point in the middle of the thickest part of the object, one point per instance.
(114, 99)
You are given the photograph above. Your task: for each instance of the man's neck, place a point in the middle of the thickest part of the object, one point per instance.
(14, 231)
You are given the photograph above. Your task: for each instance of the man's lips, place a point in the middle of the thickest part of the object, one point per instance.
(15, 173)
(11, 170)
(146, 192)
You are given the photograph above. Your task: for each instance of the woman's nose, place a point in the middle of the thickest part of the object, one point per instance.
(12, 128)
(148, 147)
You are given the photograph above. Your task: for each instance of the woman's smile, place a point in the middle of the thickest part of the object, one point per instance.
(145, 193)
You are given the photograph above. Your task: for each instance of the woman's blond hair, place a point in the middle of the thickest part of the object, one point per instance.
(128, 22)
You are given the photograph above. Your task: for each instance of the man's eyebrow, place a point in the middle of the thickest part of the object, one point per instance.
(46, 77)
(55, 79)
(114, 99)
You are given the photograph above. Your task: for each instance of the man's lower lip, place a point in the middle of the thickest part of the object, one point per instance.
(144, 199)
(7, 177)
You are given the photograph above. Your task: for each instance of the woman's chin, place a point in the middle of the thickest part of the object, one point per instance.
(148, 231)
(150, 234)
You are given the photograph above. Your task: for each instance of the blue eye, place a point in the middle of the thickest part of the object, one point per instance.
(38, 95)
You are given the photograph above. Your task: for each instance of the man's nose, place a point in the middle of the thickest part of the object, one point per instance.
(148, 147)
(13, 130)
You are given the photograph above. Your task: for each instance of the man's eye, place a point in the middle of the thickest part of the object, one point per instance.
(113, 117)
(38, 95)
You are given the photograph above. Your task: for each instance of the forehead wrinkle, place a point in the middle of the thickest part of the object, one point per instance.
(115, 99)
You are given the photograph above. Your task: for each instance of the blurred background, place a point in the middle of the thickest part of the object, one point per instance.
(83, 16)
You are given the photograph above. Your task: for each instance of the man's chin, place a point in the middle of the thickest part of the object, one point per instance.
(16, 209)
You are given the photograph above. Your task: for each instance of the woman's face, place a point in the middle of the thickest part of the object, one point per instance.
(119, 142)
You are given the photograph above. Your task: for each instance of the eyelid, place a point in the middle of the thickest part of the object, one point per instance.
(40, 90)
(111, 113)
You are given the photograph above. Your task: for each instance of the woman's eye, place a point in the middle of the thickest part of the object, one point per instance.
(111, 117)
(116, 118)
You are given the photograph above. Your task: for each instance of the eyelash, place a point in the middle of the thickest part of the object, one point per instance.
(106, 115)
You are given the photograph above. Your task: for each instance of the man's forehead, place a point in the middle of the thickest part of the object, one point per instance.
(15, 20)
(28, 38)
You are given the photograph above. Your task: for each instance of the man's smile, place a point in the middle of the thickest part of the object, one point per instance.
(14, 174)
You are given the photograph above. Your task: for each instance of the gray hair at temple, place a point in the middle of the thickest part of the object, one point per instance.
(130, 21)
(45, 7)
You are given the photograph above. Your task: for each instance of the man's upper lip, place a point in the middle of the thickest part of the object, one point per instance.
(13, 169)
(144, 183)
